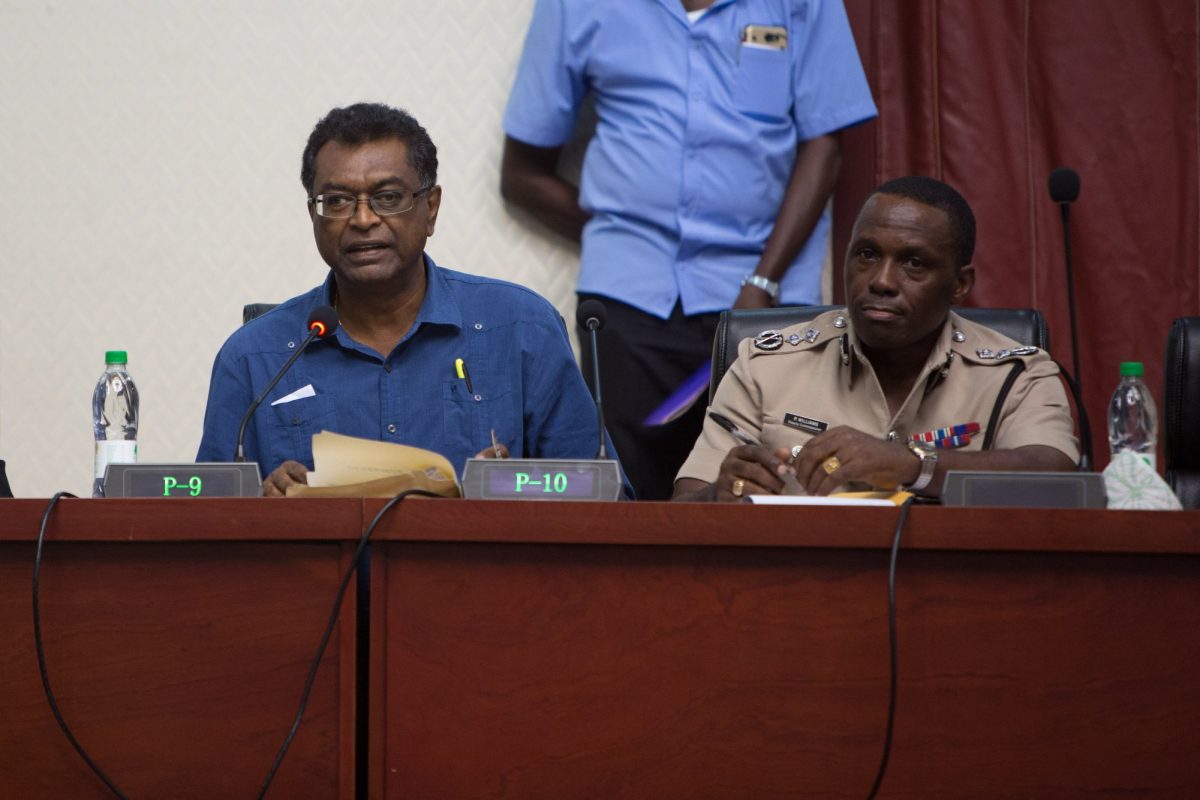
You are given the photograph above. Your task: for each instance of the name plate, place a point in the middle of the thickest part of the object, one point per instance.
(182, 480)
(1025, 489)
(541, 479)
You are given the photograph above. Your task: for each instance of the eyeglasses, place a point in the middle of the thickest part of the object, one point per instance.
(336, 205)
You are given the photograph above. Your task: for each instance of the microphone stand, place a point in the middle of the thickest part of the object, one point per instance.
(592, 325)
(239, 454)
(1066, 224)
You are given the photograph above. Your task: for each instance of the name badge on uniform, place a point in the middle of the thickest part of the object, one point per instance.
(804, 423)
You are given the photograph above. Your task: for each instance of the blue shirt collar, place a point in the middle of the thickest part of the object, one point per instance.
(438, 308)
(677, 10)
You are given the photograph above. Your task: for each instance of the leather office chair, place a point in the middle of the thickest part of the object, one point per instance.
(1025, 325)
(252, 310)
(1181, 415)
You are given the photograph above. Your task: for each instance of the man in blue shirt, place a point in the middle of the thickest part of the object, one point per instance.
(703, 188)
(389, 371)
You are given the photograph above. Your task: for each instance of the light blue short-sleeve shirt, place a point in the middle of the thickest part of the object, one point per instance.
(696, 135)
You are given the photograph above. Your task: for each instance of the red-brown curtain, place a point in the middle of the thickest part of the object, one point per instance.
(991, 97)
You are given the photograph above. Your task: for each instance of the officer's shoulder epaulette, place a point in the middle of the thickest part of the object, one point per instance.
(801, 337)
(980, 344)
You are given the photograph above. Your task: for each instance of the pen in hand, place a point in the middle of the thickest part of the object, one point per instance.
(734, 430)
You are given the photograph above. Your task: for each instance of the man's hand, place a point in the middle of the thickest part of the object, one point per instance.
(286, 474)
(499, 451)
(843, 454)
(747, 469)
(753, 297)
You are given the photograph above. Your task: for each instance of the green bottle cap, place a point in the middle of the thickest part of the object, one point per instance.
(121, 357)
(1132, 368)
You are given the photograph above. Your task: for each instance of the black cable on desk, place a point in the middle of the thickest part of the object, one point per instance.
(337, 605)
(891, 715)
(41, 650)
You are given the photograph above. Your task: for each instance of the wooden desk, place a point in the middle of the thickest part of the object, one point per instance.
(686, 651)
(178, 636)
(618, 650)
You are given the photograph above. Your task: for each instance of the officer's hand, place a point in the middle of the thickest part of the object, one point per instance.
(749, 469)
(843, 454)
(286, 474)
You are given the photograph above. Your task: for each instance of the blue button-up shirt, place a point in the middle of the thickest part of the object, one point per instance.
(695, 139)
(526, 386)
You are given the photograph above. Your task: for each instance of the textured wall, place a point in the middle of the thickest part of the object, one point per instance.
(151, 157)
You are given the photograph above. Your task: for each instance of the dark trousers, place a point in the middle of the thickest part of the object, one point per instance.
(643, 359)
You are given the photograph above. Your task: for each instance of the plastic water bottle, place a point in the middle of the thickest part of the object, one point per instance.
(114, 417)
(1132, 416)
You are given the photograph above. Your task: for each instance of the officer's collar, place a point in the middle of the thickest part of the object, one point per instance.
(938, 362)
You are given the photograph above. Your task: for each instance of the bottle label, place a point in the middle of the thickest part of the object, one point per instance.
(118, 452)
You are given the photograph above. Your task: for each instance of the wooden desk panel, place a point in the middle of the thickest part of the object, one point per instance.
(177, 660)
(743, 652)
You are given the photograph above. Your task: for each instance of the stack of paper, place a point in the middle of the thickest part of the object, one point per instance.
(347, 466)
(836, 499)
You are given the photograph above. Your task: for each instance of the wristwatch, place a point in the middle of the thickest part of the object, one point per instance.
(766, 284)
(928, 455)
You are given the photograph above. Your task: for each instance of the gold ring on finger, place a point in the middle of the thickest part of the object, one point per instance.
(831, 465)
(737, 487)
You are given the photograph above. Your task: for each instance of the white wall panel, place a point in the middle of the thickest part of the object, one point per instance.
(150, 155)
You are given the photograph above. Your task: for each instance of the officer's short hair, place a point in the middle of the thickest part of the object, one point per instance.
(933, 192)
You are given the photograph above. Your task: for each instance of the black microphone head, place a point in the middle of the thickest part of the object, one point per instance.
(1064, 185)
(323, 321)
(591, 314)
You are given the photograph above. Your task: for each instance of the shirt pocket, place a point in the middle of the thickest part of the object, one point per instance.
(775, 434)
(764, 83)
(469, 419)
(295, 423)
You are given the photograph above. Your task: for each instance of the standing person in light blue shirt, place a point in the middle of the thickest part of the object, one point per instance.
(389, 371)
(703, 188)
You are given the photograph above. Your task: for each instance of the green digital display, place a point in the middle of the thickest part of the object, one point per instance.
(577, 484)
(541, 479)
(193, 486)
(182, 480)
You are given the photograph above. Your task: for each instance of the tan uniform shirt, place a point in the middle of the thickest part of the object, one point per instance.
(817, 379)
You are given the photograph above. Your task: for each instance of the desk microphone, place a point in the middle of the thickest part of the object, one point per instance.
(540, 478)
(592, 315)
(322, 322)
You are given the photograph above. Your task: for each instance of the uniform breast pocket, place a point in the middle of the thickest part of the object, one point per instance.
(775, 435)
(764, 82)
(468, 420)
(296, 422)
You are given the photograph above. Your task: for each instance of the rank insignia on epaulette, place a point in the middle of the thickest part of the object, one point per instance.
(810, 336)
(1004, 353)
(769, 340)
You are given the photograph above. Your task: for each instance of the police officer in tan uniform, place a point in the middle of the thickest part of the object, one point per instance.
(897, 389)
